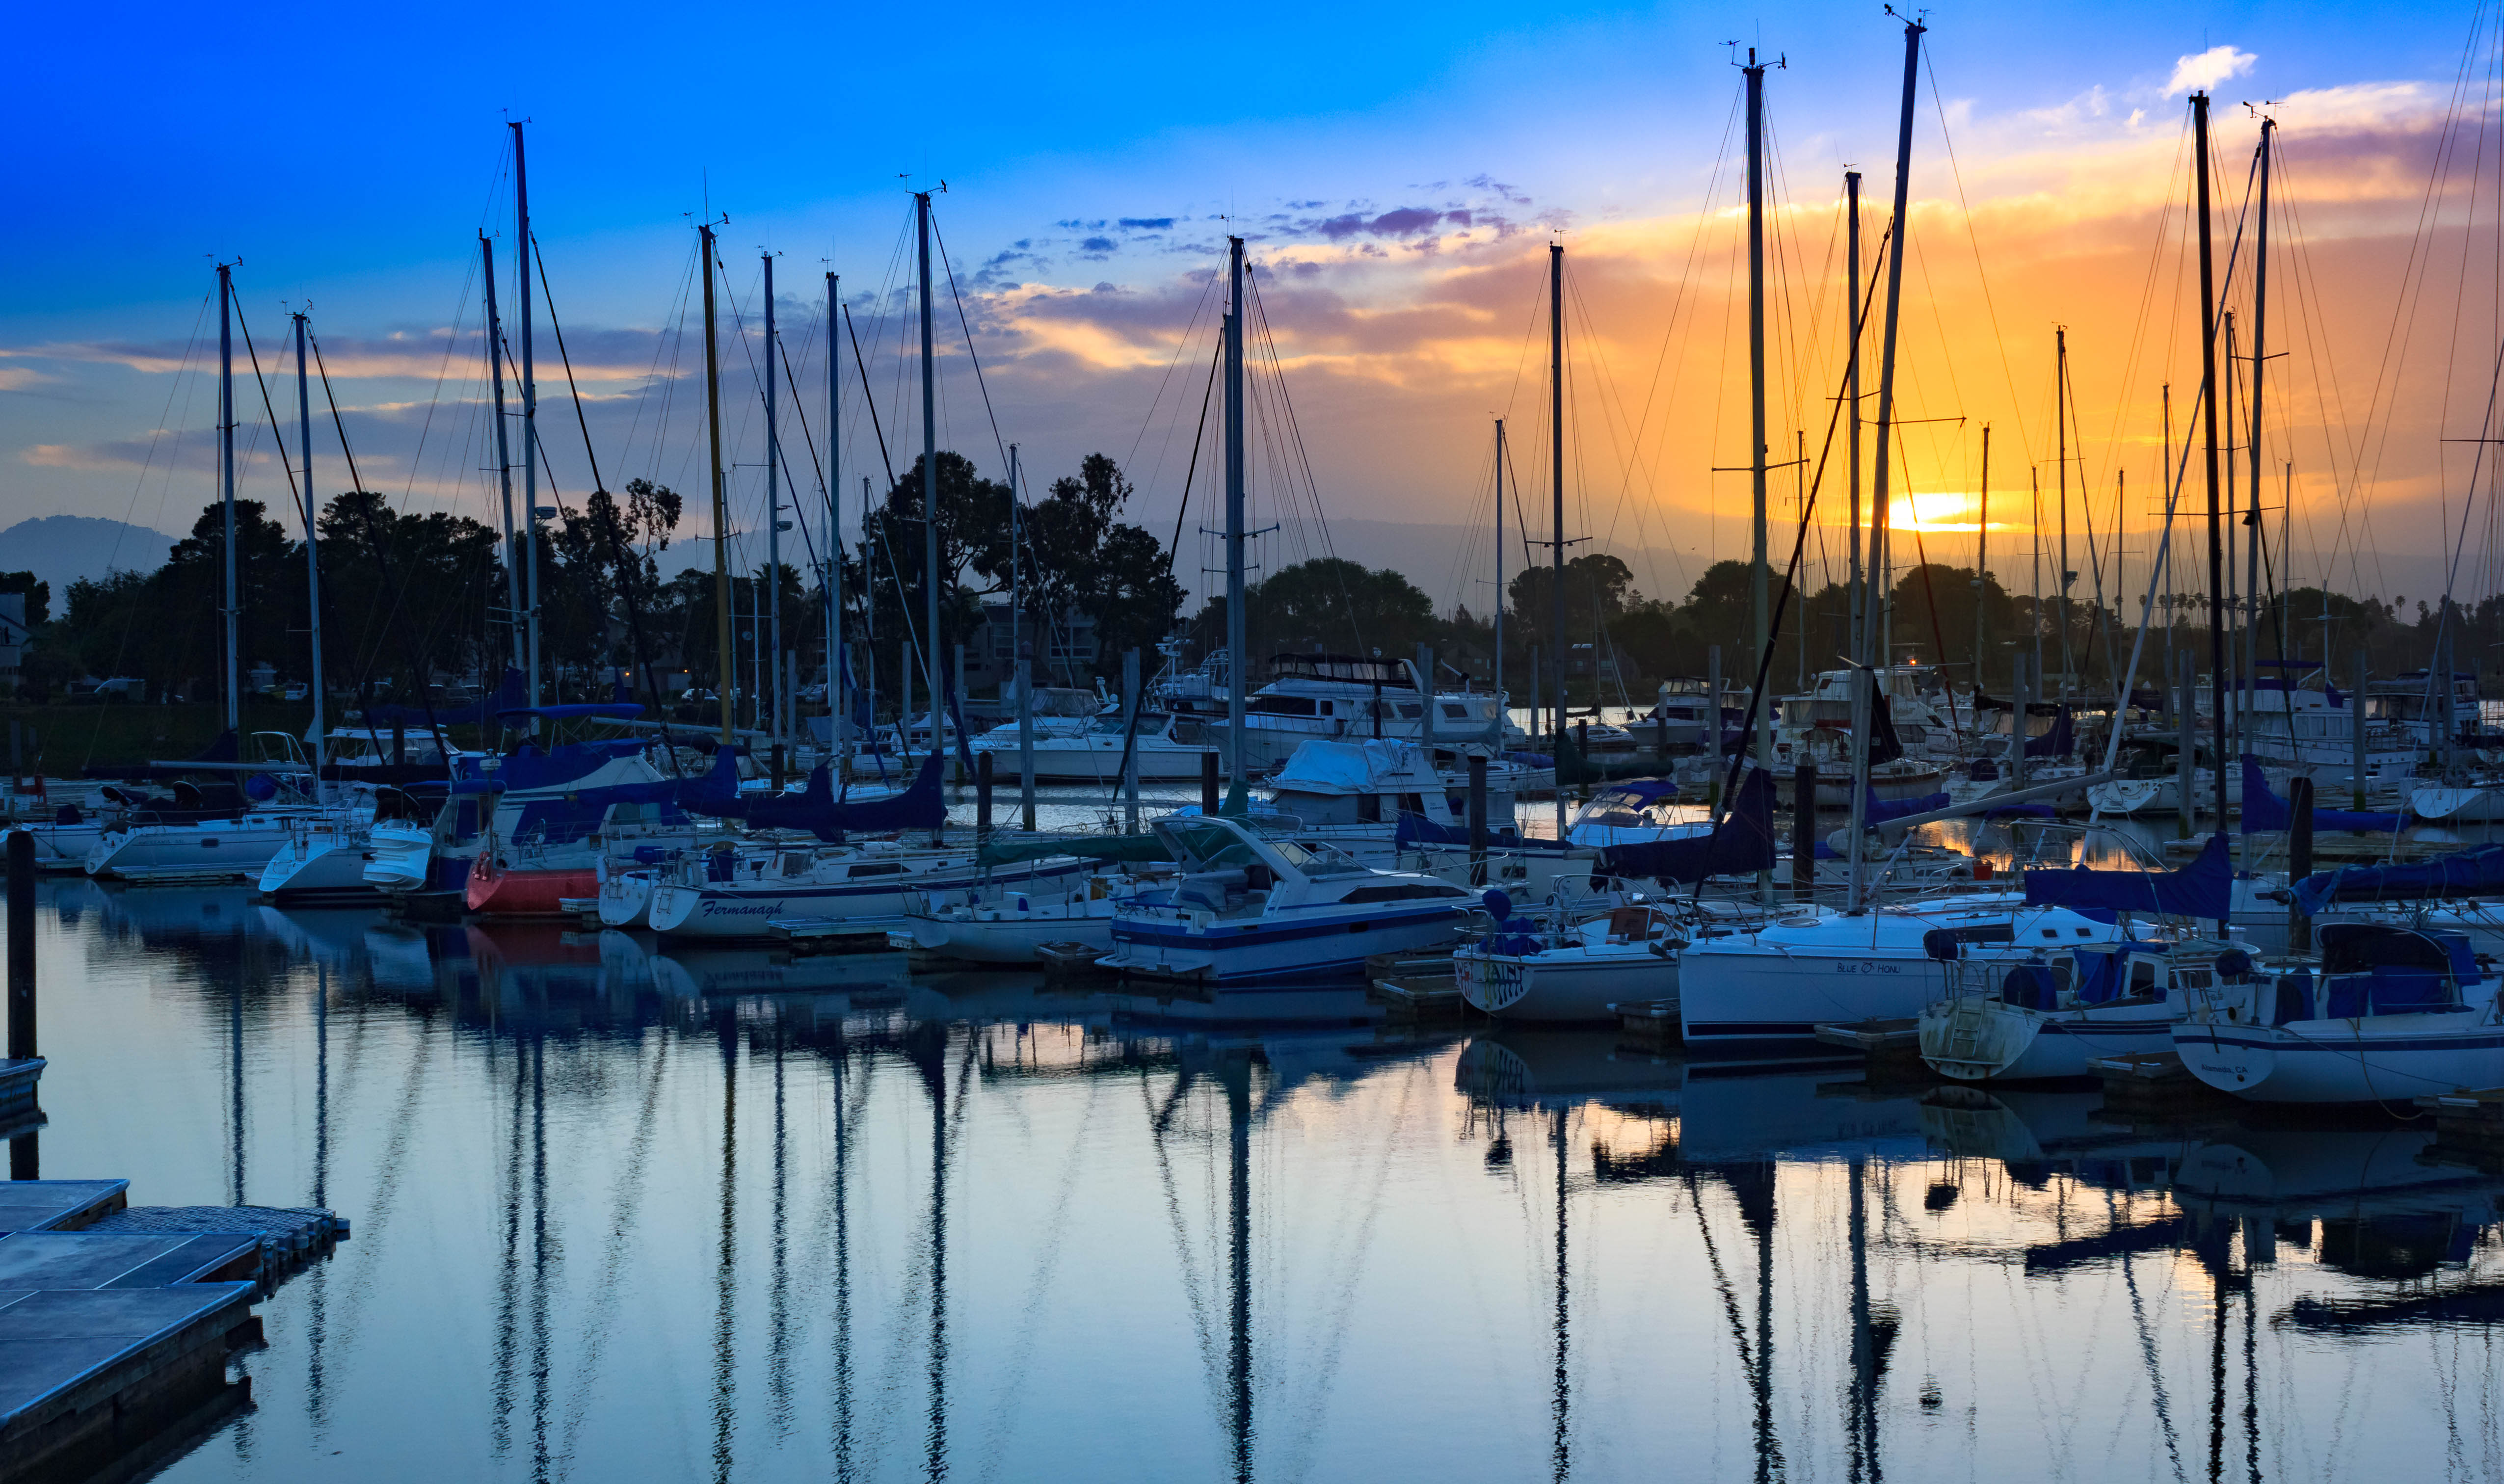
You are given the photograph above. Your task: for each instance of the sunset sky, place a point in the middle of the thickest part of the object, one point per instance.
(1399, 179)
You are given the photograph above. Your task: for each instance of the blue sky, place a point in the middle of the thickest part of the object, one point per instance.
(349, 156)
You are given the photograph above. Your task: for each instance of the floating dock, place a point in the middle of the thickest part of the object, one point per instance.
(116, 1321)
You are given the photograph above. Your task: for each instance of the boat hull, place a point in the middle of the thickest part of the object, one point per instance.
(1168, 944)
(1000, 935)
(323, 866)
(1564, 985)
(495, 891)
(2394, 1059)
(181, 852)
(1738, 999)
(1971, 1038)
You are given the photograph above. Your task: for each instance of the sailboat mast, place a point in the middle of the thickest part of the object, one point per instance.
(1885, 469)
(2253, 538)
(1556, 474)
(1500, 709)
(2061, 480)
(1016, 571)
(225, 487)
(1761, 602)
(530, 414)
(773, 590)
(840, 723)
(312, 559)
(929, 483)
(1981, 574)
(504, 450)
(1870, 638)
(2208, 415)
(727, 667)
(1851, 391)
(2234, 599)
(1237, 672)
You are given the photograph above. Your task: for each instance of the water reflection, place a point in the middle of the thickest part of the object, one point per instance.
(628, 1212)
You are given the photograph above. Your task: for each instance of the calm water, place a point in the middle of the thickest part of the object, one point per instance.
(622, 1214)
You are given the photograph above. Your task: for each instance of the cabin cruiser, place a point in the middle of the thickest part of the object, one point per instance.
(729, 890)
(2050, 1013)
(1928, 733)
(1167, 749)
(1778, 982)
(2388, 1014)
(1370, 798)
(1249, 910)
(1340, 697)
(1685, 707)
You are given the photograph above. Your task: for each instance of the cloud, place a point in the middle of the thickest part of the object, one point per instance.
(1147, 223)
(17, 378)
(2206, 69)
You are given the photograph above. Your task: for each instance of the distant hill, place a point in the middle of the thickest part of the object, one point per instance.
(60, 549)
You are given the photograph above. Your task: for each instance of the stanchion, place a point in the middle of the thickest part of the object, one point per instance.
(1478, 819)
(2299, 861)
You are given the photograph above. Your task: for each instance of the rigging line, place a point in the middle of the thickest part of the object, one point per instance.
(272, 414)
(2413, 271)
(966, 325)
(1198, 429)
(1790, 573)
(1182, 343)
(1965, 205)
(374, 541)
(617, 557)
(852, 330)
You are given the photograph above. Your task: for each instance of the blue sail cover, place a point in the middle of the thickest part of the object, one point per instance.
(2266, 812)
(1877, 810)
(817, 809)
(2058, 742)
(1742, 843)
(2204, 888)
(511, 694)
(2476, 872)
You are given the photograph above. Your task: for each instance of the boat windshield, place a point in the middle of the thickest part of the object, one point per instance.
(1650, 802)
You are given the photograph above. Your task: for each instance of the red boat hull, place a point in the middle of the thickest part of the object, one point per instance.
(502, 891)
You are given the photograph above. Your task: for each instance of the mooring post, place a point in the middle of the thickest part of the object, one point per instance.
(2356, 734)
(1804, 831)
(1209, 782)
(21, 946)
(2299, 860)
(1713, 724)
(982, 793)
(1660, 733)
(2186, 748)
(778, 768)
(1478, 819)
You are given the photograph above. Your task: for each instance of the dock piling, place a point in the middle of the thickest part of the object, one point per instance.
(1804, 831)
(983, 793)
(21, 946)
(1478, 818)
(2299, 859)
(1209, 782)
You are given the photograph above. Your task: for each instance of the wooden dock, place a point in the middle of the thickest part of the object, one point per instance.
(1416, 986)
(117, 1323)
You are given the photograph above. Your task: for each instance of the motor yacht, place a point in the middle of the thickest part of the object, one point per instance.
(1251, 910)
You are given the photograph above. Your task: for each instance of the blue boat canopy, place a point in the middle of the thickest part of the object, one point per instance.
(610, 710)
(2204, 888)
(2475, 871)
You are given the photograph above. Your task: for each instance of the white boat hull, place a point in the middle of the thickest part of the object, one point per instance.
(227, 850)
(2394, 1059)
(1971, 1038)
(1003, 934)
(626, 899)
(1569, 984)
(326, 864)
(1165, 945)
